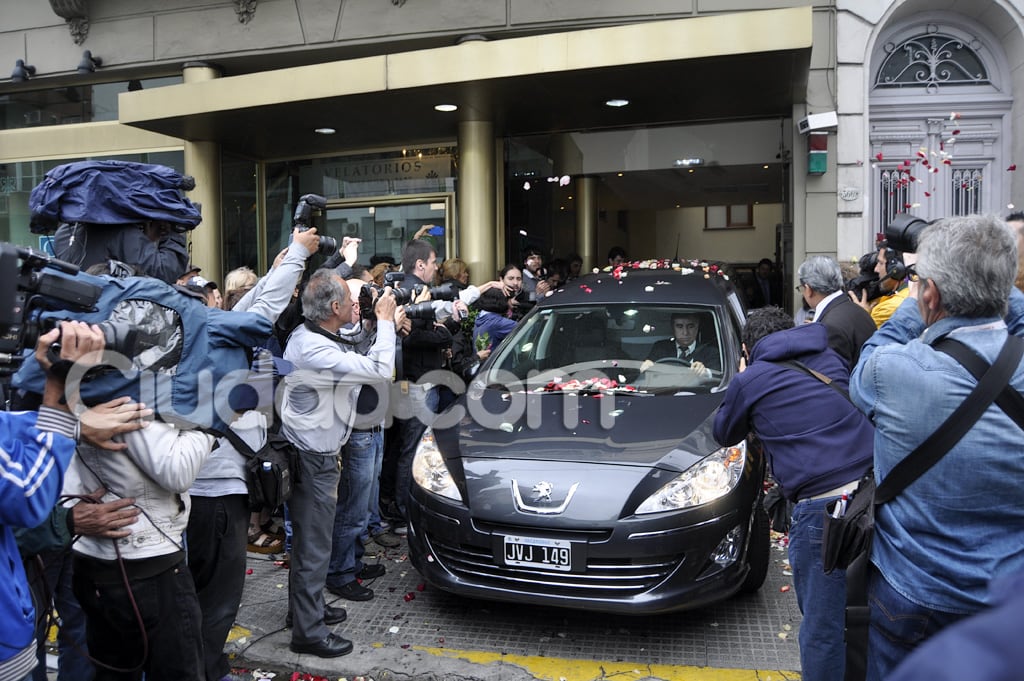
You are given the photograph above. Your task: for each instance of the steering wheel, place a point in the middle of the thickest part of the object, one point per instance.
(673, 360)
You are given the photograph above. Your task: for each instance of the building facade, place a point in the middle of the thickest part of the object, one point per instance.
(723, 129)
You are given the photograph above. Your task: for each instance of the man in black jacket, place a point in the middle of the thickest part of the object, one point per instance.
(848, 324)
(425, 349)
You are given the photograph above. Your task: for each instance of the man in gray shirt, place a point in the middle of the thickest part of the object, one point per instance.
(317, 415)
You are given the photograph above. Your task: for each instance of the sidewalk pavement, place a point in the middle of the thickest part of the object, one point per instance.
(393, 637)
(411, 631)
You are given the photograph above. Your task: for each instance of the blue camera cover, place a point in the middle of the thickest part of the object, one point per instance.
(111, 193)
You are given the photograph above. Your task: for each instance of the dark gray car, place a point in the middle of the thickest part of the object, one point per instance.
(578, 469)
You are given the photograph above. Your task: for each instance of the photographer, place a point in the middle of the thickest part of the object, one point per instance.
(317, 415)
(36, 451)
(424, 349)
(938, 544)
(818, 447)
(361, 458)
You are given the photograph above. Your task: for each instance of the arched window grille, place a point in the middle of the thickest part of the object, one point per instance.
(930, 60)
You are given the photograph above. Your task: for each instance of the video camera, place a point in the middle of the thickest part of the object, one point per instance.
(32, 283)
(303, 211)
(425, 310)
(867, 280)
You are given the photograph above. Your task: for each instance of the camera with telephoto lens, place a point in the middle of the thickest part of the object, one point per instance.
(867, 280)
(903, 233)
(424, 310)
(303, 212)
(31, 283)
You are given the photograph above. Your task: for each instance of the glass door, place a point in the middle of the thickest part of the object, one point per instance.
(386, 225)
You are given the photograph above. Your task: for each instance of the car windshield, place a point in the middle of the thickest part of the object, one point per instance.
(632, 347)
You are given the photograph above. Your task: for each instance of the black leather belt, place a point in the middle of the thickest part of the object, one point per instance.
(375, 429)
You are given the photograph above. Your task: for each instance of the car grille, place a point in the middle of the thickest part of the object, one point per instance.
(603, 577)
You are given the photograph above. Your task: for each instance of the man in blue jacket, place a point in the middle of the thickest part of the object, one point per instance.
(941, 541)
(818, 446)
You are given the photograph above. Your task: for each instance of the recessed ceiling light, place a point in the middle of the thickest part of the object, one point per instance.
(617, 102)
(325, 131)
(765, 166)
(446, 107)
(620, 174)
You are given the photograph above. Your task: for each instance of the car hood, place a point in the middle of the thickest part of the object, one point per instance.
(671, 432)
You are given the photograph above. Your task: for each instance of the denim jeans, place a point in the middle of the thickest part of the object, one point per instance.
(358, 486)
(410, 432)
(898, 625)
(820, 597)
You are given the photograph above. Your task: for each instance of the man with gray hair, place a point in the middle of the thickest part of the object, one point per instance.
(941, 541)
(848, 324)
(317, 413)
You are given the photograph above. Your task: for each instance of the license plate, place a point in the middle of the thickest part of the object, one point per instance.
(546, 554)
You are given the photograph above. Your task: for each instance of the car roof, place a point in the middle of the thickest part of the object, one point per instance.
(696, 284)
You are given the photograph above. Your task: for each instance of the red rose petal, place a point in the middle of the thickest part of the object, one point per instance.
(1013, 166)
(249, 571)
(878, 156)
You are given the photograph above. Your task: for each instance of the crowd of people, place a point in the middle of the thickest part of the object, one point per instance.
(160, 514)
(161, 532)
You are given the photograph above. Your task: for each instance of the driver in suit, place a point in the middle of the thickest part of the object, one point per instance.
(702, 358)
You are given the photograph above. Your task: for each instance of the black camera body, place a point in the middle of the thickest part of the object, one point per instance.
(304, 211)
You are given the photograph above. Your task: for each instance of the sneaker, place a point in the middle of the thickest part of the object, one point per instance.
(387, 540)
(371, 571)
(353, 591)
(401, 529)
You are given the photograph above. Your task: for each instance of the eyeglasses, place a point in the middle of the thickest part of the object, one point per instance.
(800, 286)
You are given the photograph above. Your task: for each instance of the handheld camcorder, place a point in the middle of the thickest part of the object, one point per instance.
(425, 310)
(303, 211)
(32, 283)
(867, 280)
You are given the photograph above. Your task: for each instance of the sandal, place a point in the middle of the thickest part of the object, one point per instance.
(273, 527)
(265, 543)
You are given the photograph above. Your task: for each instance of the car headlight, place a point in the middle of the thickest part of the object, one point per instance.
(429, 470)
(715, 476)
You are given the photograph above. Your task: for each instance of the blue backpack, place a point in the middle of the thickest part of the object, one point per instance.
(180, 357)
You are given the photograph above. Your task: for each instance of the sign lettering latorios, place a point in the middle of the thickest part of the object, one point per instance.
(390, 169)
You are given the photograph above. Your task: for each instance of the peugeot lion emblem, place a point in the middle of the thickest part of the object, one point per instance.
(541, 498)
(542, 491)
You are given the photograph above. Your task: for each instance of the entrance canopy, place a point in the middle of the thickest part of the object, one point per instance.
(739, 66)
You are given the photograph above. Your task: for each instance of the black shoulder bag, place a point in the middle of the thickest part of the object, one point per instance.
(846, 542)
(268, 472)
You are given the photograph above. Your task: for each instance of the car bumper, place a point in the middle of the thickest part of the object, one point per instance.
(646, 566)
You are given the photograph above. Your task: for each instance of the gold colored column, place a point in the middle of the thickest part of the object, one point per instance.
(586, 221)
(202, 161)
(477, 240)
